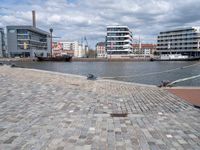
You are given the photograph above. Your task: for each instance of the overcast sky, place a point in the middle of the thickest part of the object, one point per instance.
(74, 19)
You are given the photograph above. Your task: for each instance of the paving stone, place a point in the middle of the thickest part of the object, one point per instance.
(45, 110)
(10, 140)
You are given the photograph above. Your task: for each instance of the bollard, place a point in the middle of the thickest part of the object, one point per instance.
(91, 77)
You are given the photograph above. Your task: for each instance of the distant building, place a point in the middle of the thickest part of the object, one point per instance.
(27, 41)
(57, 48)
(145, 49)
(119, 40)
(74, 48)
(184, 41)
(100, 49)
(69, 47)
(81, 51)
(2, 43)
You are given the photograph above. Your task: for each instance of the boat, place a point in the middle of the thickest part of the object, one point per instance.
(65, 58)
(175, 57)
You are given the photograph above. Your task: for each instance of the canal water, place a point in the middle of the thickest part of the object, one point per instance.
(138, 72)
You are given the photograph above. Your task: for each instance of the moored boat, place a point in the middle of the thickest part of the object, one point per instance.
(65, 58)
(175, 57)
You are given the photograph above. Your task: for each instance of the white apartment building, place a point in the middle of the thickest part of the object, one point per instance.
(119, 40)
(185, 41)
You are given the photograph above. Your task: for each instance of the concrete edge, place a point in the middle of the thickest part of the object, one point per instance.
(127, 83)
(183, 87)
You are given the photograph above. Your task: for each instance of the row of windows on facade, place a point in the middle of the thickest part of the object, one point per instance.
(31, 42)
(178, 34)
(117, 43)
(115, 48)
(31, 45)
(36, 38)
(172, 44)
(180, 38)
(179, 48)
(22, 47)
(117, 38)
(186, 30)
(117, 29)
(185, 39)
(24, 31)
(117, 34)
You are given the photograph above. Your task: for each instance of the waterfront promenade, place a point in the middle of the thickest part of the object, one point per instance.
(46, 110)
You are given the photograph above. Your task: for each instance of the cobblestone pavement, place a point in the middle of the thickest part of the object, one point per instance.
(43, 110)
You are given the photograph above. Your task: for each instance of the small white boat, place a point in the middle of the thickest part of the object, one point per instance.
(173, 57)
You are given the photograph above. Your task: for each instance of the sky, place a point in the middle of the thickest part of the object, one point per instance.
(76, 19)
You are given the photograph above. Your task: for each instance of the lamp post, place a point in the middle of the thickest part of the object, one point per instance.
(51, 31)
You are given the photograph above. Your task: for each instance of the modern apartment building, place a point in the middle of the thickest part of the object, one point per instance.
(2, 43)
(100, 49)
(27, 41)
(119, 40)
(185, 41)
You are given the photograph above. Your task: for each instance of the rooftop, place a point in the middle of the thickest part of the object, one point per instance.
(100, 44)
(181, 29)
(31, 28)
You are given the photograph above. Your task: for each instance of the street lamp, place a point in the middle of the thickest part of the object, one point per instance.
(51, 31)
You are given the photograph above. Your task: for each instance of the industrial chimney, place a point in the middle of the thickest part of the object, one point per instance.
(33, 18)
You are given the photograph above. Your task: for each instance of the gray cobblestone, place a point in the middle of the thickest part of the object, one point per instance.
(44, 110)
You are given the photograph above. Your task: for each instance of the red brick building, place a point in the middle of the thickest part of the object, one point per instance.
(146, 49)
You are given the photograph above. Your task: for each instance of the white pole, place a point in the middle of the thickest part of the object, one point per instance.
(169, 47)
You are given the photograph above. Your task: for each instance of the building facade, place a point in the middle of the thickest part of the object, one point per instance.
(74, 48)
(100, 49)
(69, 47)
(2, 43)
(185, 41)
(144, 49)
(57, 48)
(27, 41)
(82, 51)
(119, 40)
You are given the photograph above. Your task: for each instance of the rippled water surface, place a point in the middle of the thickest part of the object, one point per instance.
(139, 72)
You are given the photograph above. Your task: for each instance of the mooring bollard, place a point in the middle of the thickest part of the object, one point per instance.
(91, 77)
(13, 65)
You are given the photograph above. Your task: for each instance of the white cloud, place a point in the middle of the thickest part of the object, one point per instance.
(54, 18)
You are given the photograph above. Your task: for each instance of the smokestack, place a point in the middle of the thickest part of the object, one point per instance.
(33, 18)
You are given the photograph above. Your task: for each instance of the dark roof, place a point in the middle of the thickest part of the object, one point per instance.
(100, 44)
(31, 28)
